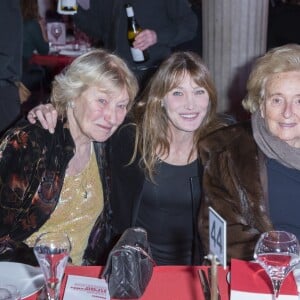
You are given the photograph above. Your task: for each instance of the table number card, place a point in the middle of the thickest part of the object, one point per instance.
(87, 288)
(217, 236)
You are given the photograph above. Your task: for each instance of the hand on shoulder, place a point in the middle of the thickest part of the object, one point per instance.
(46, 114)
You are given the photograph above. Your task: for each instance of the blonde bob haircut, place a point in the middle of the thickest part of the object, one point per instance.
(281, 59)
(94, 68)
(152, 139)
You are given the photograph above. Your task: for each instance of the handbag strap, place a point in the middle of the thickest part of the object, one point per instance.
(140, 249)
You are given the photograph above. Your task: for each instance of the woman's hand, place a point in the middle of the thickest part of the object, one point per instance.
(46, 114)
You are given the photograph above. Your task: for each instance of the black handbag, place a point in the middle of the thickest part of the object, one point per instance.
(129, 265)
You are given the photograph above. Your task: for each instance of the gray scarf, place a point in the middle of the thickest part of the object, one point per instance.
(272, 146)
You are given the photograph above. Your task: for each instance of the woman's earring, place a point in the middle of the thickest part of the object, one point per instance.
(71, 104)
(162, 103)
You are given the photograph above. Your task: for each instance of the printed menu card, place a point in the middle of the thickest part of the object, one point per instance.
(87, 288)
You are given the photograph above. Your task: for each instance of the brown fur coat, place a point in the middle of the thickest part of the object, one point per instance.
(235, 185)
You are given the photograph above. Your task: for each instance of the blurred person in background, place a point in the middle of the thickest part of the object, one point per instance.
(61, 181)
(35, 32)
(11, 30)
(252, 169)
(34, 40)
(165, 24)
(283, 23)
(194, 44)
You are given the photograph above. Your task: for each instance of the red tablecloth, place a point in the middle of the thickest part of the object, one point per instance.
(167, 282)
(55, 62)
(251, 277)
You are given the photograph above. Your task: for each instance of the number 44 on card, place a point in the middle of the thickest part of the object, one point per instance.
(217, 236)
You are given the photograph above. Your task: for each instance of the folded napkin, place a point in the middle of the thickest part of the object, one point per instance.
(249, 281)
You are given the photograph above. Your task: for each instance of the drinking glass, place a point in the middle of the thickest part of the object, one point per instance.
(278, 253)
(56, 30)
(52, 250)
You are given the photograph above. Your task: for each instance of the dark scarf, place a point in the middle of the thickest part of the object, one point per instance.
(272, 146)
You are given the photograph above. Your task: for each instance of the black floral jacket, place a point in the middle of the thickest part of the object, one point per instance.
(33, 163)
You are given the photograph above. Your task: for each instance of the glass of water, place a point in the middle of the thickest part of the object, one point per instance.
(52, 250)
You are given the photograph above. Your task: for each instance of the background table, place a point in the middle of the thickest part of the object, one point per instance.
(55, 63)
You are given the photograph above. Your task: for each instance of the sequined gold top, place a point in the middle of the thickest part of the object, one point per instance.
(77, 210)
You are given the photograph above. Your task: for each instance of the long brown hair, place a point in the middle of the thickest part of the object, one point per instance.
(152, 120)
(29, 9)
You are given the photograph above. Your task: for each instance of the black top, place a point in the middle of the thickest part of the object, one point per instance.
(284, 197)
(166, 212)
(127, 180)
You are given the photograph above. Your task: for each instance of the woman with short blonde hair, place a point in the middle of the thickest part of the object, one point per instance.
(61, 181)
(252, 169)
(277, 60)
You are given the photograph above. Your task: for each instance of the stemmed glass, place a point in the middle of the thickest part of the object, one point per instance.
(52, 250)
(56, 30)
(278, 253)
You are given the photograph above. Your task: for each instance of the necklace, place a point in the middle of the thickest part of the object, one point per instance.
(80, 185)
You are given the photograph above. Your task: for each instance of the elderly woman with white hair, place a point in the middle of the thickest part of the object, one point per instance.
(252, 169)
(60, 181)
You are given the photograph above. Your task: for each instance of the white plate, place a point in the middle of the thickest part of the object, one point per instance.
(27, 279)
(71, 52)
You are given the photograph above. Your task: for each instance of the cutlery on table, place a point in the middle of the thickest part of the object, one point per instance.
(213, 282)
(205, 284)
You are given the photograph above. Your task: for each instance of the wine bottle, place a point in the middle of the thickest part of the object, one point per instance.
(134, 28)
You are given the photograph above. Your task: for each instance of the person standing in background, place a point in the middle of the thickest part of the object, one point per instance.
(165, 24)
(194, 44)
(34, 39)
(34, 30)
(11, 29)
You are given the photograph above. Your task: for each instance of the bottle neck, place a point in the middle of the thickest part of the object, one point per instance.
(131, 19)
(129, 12)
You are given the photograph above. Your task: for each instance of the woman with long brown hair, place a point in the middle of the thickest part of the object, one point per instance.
(160, 188)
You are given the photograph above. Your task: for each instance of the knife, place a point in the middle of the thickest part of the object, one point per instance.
(204, 284)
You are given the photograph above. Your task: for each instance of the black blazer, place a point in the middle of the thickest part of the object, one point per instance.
(127, 179)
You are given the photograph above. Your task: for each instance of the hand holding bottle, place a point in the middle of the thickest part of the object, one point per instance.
(145, 39)
(134, 29)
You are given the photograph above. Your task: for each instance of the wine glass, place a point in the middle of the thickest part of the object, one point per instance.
(278, 253)
(56, 30)
(52, 250)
